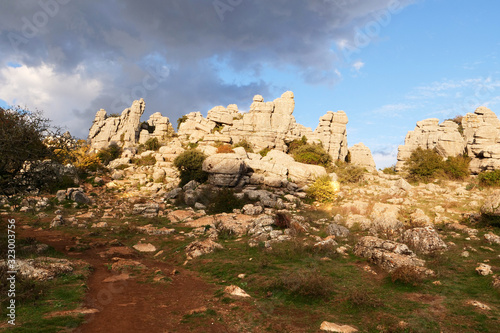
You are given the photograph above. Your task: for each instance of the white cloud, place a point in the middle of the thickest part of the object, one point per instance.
(56, 94)
(358, 65)
(393, 110)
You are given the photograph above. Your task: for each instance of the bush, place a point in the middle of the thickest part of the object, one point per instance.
(295, 144)
(457, 167)
(106, 155)
(189, 164)
(305, 283)
(323, 189)
(424, 165)
(407, 275)
(145, 160)
(489, 178)
(282, 220)
(152, 144)
(245, 144)
(224, 149)
(21, 143)
(181, 120)
(312, 154)
(224, 201)
(348, 173)
(390, 170)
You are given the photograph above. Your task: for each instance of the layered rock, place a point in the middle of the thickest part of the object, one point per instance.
(362, 157)
(266, 125)
(126, 130)
(122, 130)
(478, 135)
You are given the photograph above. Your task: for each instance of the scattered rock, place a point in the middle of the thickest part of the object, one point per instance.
(235, 291)
(57, 221)
(492, 238)
(41, 268)
(337, 230)
(199, 248)
(331, 327)
(479, 305)
(388, 254)
(424, 240)
(144, 247)
(484, 269)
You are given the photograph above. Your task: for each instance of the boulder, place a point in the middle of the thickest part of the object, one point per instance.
(361, 156)
(424, 240)
(224, 169)
(491, 205)
(389, 255)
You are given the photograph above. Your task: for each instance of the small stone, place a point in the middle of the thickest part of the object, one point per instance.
(437, 283)
(479, 305)
(241, 276)
(331, 327)
(145, 247)
(235, 291)
(465, 254)
(484, 269)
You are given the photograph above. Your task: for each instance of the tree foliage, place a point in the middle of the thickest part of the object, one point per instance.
(189, 164)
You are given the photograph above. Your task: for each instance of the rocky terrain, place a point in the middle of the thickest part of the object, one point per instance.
(383, 256)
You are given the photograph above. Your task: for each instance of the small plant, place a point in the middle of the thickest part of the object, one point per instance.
(489, 178)
(305, 283)
(152, 144)
(181, 120)
(324, 189)
(245, 144)
(224, 201)
(193, 145)
(390, 170)
(190, 166)
(113, 115)
(407, 275)
(145, 160)
(264, 152)
(217, 128)
(348, 173)
(106, 155)
(224, 149)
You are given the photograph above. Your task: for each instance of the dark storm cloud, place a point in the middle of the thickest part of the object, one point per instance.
(174, 42)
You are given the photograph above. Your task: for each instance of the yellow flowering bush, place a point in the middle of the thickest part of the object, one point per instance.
(324, 189)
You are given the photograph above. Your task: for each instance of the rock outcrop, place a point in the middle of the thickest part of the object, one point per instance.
(478, 135)
(126, 130)
(266, 125)
(362, 157)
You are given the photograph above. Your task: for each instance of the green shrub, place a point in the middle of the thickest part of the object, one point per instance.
(457, 167)
(305, 283)
(224, 201)
(295, 144)
(312, 154)
(323, 189)
(145, 160)
(390, 170)
(348, 173)
(181, 120)
(152, 144)
(106, 155)
(264, 152)
(189, 164)
(424, 165)
(489, 178)
(245, 144)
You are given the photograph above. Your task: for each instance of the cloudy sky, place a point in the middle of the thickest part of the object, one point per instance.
(386, 63)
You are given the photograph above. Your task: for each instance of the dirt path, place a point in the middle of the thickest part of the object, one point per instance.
(135, 305)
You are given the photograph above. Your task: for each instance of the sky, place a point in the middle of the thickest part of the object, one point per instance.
(386, 63)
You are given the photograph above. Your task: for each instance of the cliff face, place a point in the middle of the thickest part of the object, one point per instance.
(478, 135)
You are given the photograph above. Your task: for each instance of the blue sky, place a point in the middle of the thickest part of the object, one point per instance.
(427, 59)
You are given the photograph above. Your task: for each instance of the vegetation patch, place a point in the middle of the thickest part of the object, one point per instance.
(324, 189)
(426, 164)
(190, 166)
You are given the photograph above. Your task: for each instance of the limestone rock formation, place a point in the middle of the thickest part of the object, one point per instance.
(266, 125)
(362, 157)
(158, 127)
(122, 130)
(478, 135)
